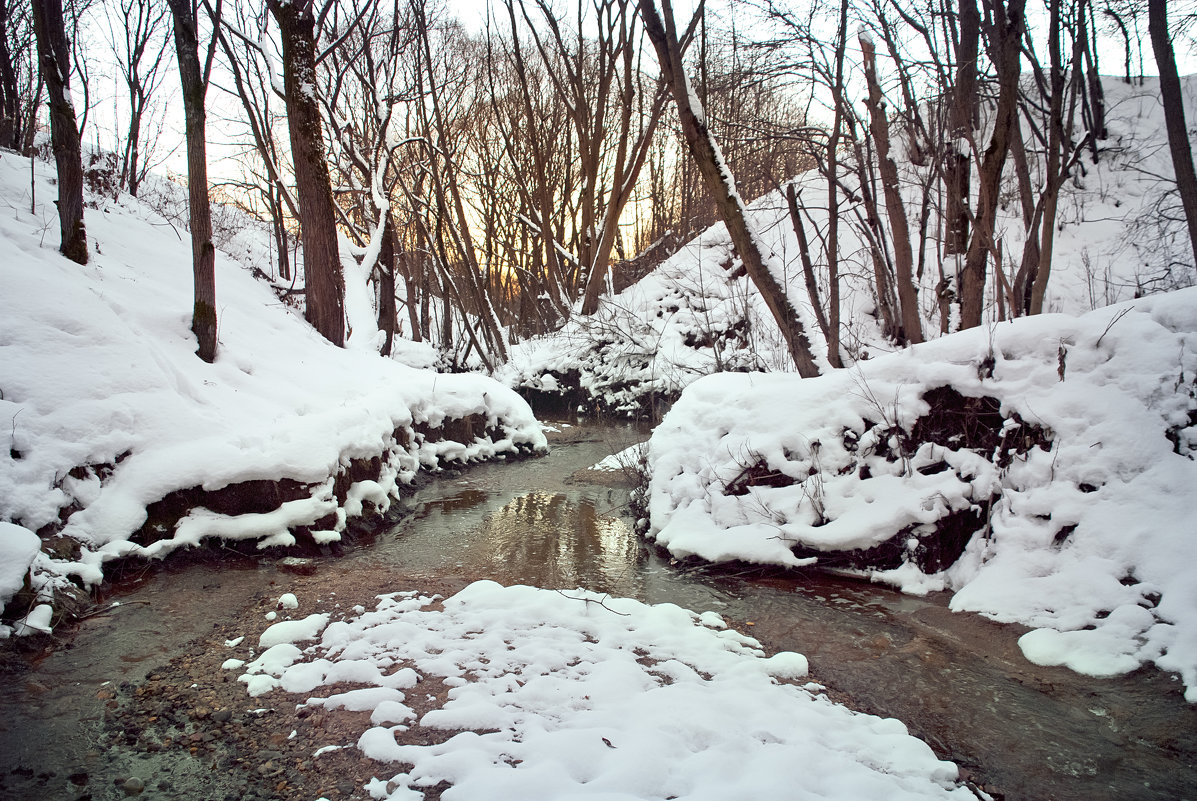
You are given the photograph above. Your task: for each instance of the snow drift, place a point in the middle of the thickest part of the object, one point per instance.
(1042, 469)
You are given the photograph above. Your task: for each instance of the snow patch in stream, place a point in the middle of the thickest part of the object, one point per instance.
(555, 695)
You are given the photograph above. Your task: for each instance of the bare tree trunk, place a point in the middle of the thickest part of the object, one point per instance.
(808, 266)
(874, 233)
(1006, 41)
(1174, 114)
(54, 58)
(1096, 95)
(1032, 214)
(414, 299)
(895, 208)
(833, 204)
(386, 285)
(721, 185)
(10, 122)
(30, 126)
(1126, 40)
(203, 252)
(961, 115)
(279, 223)
(1057, 143)
(323, 278)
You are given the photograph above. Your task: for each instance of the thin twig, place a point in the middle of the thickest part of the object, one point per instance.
(601, 602)
(1117, 317)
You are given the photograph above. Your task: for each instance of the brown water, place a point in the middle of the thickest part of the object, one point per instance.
(958, 681)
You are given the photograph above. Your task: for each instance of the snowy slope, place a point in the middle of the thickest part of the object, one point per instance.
(697, 314)
(107, 409)
(1066, 483)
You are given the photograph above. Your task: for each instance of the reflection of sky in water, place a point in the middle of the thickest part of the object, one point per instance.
(553, 540)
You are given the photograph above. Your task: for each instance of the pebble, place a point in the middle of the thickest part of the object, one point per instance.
(297, 565)
(222, 715)
(133, 785)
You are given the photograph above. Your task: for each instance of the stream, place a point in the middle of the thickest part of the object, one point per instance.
(958, 681)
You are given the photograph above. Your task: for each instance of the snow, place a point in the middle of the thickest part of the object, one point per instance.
(18, 548)
(1088, 539)
(36, 622)
(1084, 537)
(627, 460)
(292, 631)
(107, 409)
(556, 695)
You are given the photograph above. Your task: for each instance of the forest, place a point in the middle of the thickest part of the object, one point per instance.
(490, 179)
(866, 330)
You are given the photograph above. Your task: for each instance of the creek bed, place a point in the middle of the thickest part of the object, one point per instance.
(958, 681)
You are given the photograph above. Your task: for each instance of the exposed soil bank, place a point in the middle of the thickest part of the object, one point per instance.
(354, 499)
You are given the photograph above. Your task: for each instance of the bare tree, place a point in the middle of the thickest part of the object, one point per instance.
(662, 32)
(1174, 114)
(452, 220)
(325, 284)
(137, 36)
(54, 58)
(911, 325)
(14, 45)
(250, 64)
(194, 80)
(962, 116)
(1005, 27)
(363, 88)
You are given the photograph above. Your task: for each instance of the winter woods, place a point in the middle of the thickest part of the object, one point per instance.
(484, 178)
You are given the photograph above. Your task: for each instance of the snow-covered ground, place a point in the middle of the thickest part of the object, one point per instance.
(696, 314)
(107, 409)
(1080, 492)
(563, 695)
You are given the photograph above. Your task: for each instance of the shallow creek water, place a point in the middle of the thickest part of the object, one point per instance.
(957, 681)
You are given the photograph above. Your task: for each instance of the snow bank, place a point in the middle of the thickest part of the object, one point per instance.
(18, 548)
(1082, 512)
(557, 695)
(107, 409)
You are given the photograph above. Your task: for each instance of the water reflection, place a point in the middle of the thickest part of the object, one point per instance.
(551, 540)
(451, 504)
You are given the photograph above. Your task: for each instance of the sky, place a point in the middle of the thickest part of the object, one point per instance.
(108, 100)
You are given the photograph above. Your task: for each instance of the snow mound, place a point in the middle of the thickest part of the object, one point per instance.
(18, 548)
(1066, 487)
(108, 411)
(563, 694)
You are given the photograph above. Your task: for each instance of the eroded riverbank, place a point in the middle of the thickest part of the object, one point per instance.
(118, 701)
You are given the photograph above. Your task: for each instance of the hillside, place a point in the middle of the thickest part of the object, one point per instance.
(108, 411)
(696, 314)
